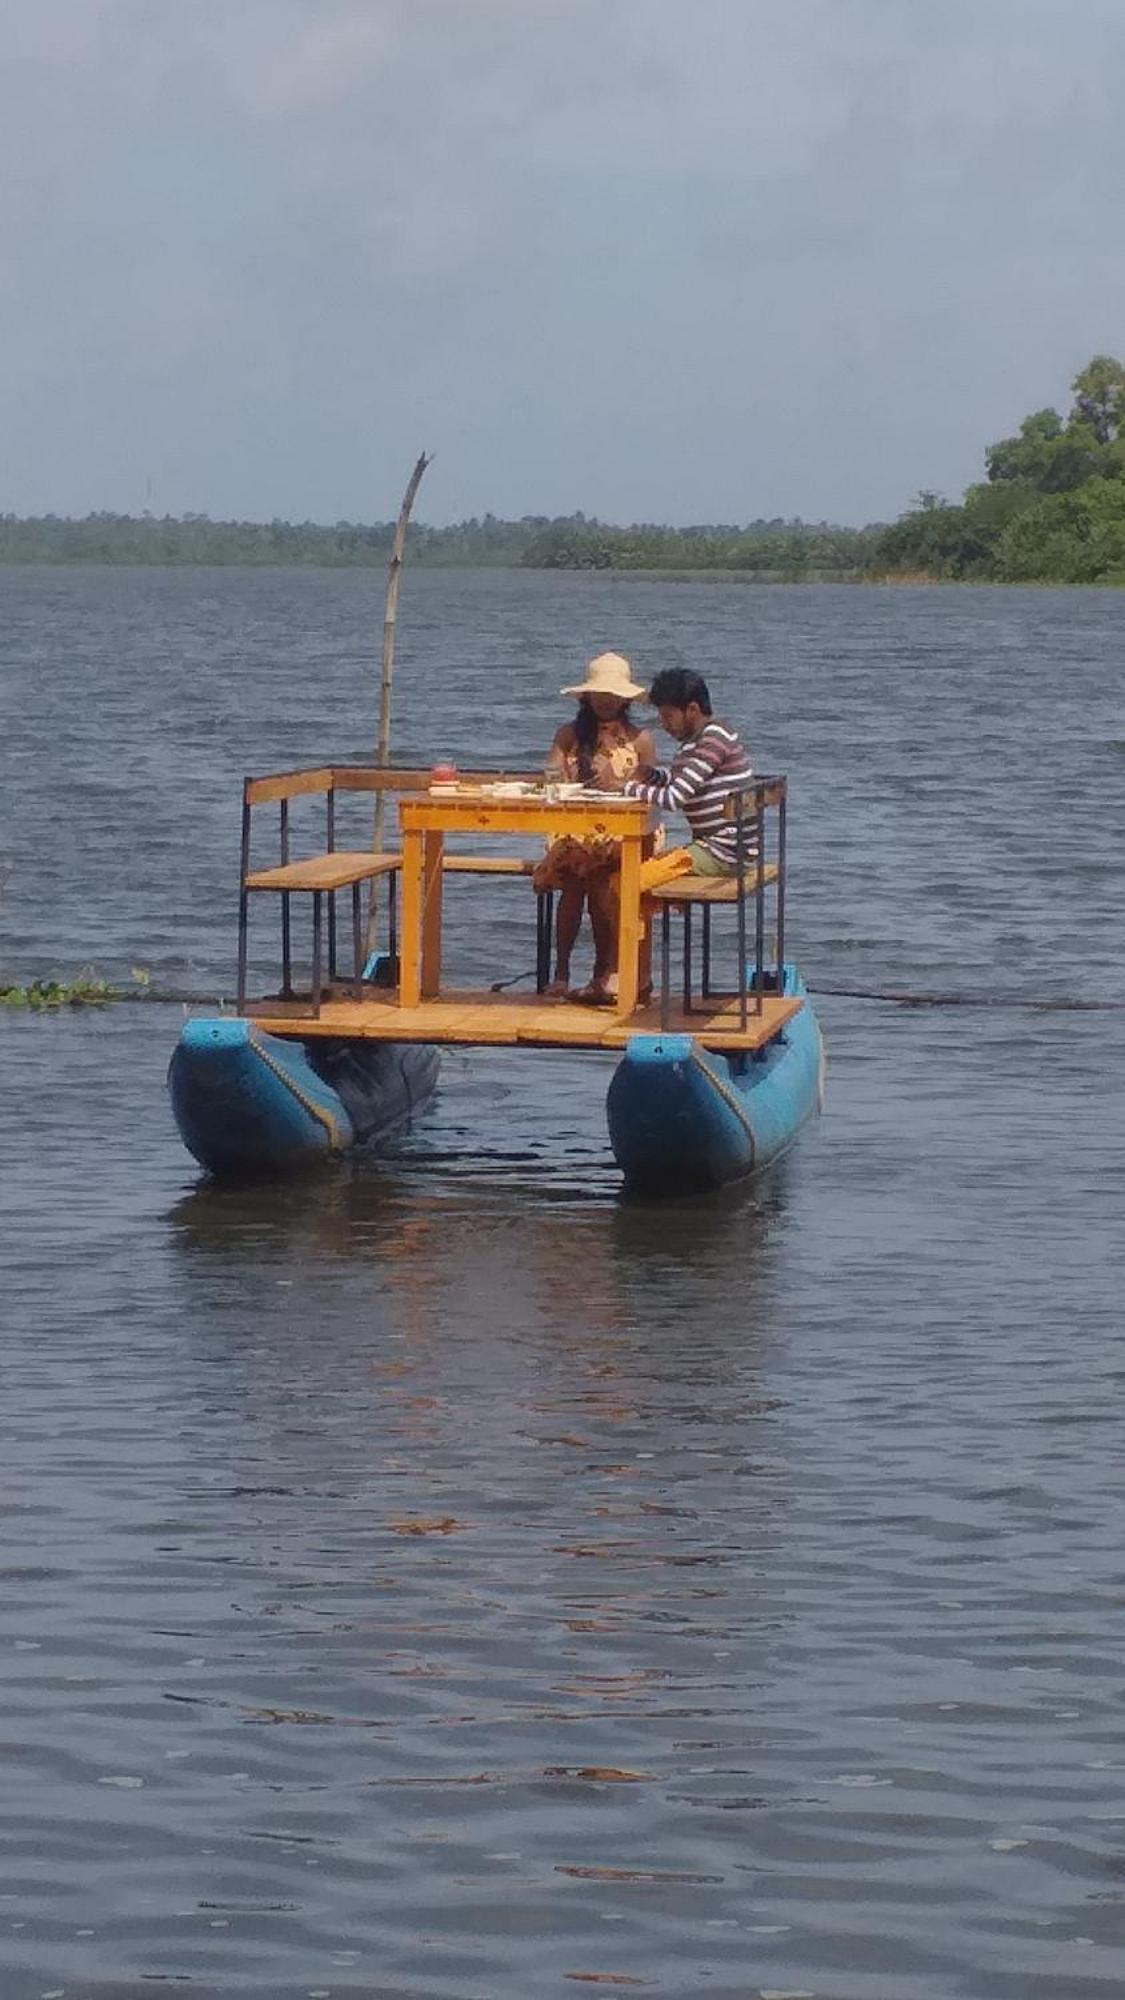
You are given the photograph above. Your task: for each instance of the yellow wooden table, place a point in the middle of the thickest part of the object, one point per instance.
(426, 819)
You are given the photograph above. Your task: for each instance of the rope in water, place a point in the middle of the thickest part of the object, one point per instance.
(891, 995)
(898, 997)
(1033, 1003)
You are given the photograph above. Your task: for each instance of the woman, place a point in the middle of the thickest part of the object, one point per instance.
(602, 747)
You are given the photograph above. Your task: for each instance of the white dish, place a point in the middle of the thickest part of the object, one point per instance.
(443, 791)
(514, 788)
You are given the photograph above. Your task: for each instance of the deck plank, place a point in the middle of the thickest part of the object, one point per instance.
(502, 1020)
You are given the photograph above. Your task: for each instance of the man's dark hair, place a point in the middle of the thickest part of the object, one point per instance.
(677, 687)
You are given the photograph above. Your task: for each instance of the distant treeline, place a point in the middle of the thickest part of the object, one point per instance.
(195, 538)
(790, 549)
(1052, 509)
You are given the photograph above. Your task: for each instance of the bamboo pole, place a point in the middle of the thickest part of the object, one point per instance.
(390, 616)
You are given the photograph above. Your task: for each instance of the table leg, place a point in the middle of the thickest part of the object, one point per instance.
(434, 844)
(629, 929)
(410, 948)
(644, 954)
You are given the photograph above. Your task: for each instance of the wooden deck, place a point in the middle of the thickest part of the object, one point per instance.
(500, 1020)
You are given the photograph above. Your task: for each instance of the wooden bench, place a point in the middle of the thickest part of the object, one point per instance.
(318, 875)
(322, 875)
(747, 810)
(486, 864)
(340, 868)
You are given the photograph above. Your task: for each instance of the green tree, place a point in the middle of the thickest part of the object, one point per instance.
(1099, 397)
(1052, 508)
(1067, 538)
(1047, 454)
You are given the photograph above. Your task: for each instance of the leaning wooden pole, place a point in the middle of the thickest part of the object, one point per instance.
(390, 616)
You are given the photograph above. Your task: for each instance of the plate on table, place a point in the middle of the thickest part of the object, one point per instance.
(511, 788)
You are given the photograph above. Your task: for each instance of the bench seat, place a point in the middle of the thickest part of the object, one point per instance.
(710, 888)
(326, 872)
(687, 893)
(486, 864)
(341, 868)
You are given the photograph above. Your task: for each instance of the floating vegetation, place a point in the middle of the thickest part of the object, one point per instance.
(84, 990)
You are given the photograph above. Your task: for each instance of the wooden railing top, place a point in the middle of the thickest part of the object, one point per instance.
(394, 778)
(359, 778)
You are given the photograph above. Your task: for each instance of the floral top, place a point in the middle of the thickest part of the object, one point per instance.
(620, 748)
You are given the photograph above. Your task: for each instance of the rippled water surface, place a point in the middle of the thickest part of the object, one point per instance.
(442, 1578)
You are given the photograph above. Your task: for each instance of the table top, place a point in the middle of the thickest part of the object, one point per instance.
(482, 810)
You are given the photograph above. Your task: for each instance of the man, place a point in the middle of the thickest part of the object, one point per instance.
(710, 766)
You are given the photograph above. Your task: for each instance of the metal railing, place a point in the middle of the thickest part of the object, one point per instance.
(755, 874)
(328, 781)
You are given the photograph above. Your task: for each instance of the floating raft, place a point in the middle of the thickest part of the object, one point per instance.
(705, 1089)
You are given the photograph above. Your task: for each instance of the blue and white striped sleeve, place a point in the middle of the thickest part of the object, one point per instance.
(691, 772)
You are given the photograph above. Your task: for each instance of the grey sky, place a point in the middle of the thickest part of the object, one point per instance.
(658, 259)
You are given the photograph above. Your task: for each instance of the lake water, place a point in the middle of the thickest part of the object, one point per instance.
(445, 1580)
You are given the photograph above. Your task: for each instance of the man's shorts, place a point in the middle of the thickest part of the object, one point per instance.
(703, 862)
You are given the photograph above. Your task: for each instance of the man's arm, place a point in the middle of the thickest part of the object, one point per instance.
(689, 773)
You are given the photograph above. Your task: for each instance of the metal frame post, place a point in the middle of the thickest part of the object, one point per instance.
(740, 861)
(760, 900)
(665, 966)
(330, 835)
(780, 905)
(544, 924)
(286, 935)
(244, 899)
(357, 941)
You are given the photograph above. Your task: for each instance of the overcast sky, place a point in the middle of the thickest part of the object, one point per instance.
(657, 259)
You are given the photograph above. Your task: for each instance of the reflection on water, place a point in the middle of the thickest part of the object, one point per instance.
(443, 1578)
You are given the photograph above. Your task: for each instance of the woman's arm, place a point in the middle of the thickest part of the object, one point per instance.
(561, 753)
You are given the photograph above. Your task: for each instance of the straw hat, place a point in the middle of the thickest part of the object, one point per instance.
(610, 673)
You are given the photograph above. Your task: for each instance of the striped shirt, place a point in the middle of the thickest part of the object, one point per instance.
(698, 783)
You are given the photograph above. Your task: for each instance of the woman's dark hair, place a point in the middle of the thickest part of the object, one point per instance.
(678, 687)
(586, 727)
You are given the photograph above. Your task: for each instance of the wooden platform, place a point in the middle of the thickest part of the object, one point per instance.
(499, 1020)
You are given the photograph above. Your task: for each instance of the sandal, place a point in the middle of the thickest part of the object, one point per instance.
(594, 995)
